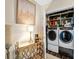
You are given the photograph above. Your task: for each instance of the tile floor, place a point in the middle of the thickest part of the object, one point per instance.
(48, 56)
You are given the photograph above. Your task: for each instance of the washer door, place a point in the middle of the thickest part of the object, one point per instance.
(66, 36)
(52, 35)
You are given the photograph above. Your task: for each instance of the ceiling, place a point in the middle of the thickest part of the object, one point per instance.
(43, 2)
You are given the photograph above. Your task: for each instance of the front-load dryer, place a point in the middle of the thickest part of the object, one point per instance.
(52, 39)
(66, 39)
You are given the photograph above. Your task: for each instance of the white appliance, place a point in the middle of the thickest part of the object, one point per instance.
(66, 39)
(52, 36)
(52, 39)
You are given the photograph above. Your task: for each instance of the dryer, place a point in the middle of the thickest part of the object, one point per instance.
(66, 39)
(52, 39)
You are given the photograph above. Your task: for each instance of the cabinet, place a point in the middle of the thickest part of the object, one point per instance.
(61, 19)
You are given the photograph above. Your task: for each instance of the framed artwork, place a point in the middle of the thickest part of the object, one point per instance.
(26, 12)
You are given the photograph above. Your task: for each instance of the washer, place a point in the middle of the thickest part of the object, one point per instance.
(52, 36)
(52, 39)
(66, 39)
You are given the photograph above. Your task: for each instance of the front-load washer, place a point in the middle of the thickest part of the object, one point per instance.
(52, 36)
(66, 39)
(52, 39)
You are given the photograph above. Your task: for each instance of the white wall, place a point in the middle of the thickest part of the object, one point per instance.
(8, 36)
(58, 5)
(19, 32)
(10, 11)
(39, 20)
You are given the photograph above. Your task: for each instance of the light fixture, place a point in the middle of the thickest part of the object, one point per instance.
(30, 29)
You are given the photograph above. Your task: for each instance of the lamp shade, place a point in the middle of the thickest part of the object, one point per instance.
(30, 28)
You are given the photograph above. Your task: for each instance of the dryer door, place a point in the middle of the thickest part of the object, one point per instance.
(52, 35)
(66, 36)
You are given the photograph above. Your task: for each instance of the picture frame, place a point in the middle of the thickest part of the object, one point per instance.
(25, 12)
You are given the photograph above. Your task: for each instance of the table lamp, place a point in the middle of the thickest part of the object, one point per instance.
(30, 29)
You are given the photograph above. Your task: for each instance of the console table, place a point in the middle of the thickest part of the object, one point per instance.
(32, 51)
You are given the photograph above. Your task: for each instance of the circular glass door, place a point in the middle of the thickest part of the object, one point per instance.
(66, 36)
(52, 35)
